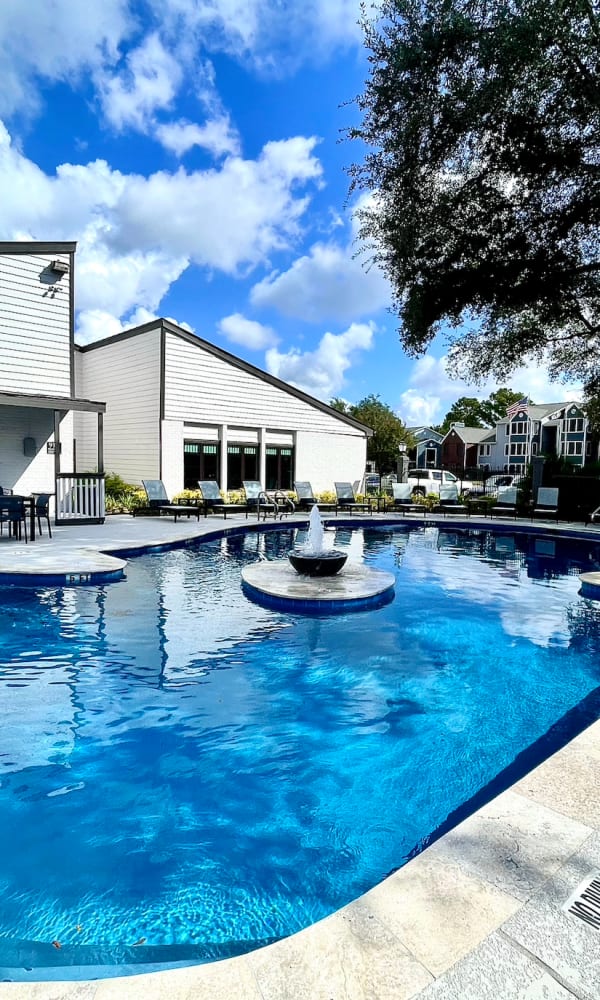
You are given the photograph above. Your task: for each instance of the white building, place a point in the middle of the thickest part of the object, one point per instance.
(38, 396)
(180, 409)
(154, 402)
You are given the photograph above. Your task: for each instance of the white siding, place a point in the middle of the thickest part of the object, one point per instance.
(205, 388)
(323, 459)
(126, 376)
(34, 325)
(17, 471)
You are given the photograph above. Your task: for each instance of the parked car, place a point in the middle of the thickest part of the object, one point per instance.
(494, 485)
(425, 481)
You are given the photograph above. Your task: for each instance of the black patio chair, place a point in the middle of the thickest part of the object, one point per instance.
(42, 511)
(546, 504)
(14, 514)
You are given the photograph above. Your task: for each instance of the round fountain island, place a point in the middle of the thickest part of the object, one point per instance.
(311, 581)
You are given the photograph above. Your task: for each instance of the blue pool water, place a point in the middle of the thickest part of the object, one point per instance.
(185, 775)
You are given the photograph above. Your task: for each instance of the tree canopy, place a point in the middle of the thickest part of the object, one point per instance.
(482, 122)
(474, 412)
(388, 430)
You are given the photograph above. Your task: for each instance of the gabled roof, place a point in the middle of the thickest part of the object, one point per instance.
(169, 327)
(470, 435)
(423, 431)
(540, 411)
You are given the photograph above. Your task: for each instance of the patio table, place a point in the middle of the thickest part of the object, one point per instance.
(29, 503)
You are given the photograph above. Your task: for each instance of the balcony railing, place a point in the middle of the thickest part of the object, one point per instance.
(79, 498)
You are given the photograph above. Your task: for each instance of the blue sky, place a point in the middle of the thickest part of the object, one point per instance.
(194, 149)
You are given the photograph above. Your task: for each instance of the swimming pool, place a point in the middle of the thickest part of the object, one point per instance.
(186, 775)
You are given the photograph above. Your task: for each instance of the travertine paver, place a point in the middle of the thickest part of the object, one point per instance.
(562, 941)
(513, 842)
(570, 773)
(497, 970)
(438, 911)
(350, 954)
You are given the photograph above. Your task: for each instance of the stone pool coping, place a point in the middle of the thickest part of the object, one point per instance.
(477, 914)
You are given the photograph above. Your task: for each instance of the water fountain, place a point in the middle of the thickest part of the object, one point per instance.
(311, 582)
(313, 559)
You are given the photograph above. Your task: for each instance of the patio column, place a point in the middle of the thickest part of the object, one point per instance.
(223, 438)
(100, 444)
(262, 444)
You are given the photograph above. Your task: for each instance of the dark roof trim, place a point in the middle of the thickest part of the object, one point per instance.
(38, 247)
(51, 402)
(165, 324)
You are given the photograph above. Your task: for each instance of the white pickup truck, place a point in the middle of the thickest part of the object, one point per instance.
(426, 481)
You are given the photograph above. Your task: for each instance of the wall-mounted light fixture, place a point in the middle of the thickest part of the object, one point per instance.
(29, 447)
(59, 267)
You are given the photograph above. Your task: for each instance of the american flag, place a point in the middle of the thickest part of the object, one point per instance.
(521, 404)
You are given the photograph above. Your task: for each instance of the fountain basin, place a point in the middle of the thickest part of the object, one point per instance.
(317, 563)
(276, 585)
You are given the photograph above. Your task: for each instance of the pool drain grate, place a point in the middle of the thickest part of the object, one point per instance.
(585, 901)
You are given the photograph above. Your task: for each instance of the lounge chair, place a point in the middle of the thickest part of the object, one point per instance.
(346, 498)
(594, 516)
(213, 501)
(276, 503)
(307, 500)
(546, 504)
(402, 499)
(159, 503)
(449, 502)
(506, 504)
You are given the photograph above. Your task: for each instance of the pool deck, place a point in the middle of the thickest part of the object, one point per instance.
(476, 916)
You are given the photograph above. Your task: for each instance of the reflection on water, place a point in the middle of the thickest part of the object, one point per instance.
(181, 765)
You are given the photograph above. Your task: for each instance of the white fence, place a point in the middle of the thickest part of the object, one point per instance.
(79, 498)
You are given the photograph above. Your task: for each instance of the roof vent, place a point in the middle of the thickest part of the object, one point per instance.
(59, 267)
(585, 901)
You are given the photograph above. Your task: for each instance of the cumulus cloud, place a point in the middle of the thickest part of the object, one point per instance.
(137, 235)
(217, 136)
(247, 332)
(56, 41)
(97, 324)
(328, 283)
(432, 392)
(321, 372)
(148, 82)
(61, 41)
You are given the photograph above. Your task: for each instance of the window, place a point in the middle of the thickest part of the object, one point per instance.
(437, 476)
(518, 448)
(485, 449)
(430, 457)
(506, 449)
(574, 447)
(534, 447)
(201, 460)
(279, 468)
(575, 425)
(242, 463)
(518, 427)
(588, 448)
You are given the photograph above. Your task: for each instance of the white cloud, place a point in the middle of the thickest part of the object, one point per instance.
(432, 392)
(97, 324)
(137, 235)
(321, 372)
(328, 283)
(247, 332)
(148, 82)
(56, 40)
(217, 136)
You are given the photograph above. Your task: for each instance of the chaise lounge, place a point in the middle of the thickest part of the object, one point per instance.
(159, 503)
(213, 501)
